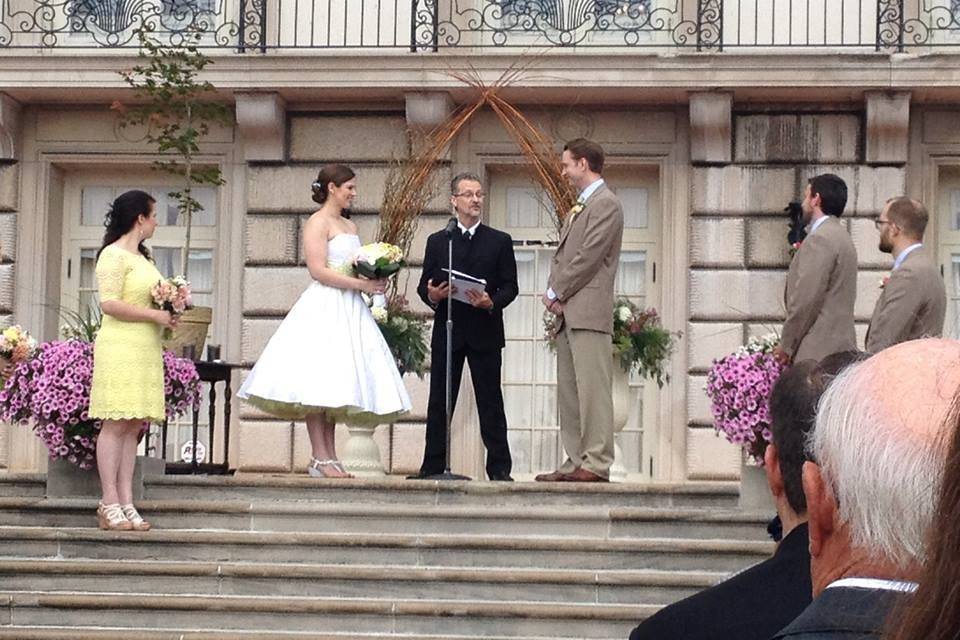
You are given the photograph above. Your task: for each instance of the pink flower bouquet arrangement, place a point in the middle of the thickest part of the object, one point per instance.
(739, 387)
(173, 295)
(52, 391)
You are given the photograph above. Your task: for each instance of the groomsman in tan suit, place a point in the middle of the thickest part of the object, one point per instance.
(822, 281)
(913, 302)
(580, 293)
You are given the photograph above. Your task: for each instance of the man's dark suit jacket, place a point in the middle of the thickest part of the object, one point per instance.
(752, 605)
(843, 613)
(489, 255)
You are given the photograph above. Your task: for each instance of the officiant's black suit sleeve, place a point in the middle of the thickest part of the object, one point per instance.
(508, 288)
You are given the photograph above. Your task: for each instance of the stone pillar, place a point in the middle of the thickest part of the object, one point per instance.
(261, 119)
(711, 127)
(9, 129)
(427, 109)
(888, 127)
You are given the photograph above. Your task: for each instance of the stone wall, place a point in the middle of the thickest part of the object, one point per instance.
(274, 275)
(739, 252)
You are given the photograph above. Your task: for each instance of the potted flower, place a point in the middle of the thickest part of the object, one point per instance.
(640, 344)
(178, 111)
(739, 386)
(51, 392)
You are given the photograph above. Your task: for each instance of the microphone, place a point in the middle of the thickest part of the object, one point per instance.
(451, 227)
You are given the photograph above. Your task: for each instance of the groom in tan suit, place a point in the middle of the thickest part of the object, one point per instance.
(822, 281)
(913, 301)
(580, 293)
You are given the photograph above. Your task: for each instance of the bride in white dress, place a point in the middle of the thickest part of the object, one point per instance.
(328, 361)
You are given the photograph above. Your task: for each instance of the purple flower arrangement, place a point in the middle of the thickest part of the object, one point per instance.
(739, 387)
(52, 391)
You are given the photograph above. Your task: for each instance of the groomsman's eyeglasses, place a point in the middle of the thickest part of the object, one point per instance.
(470, 195)
(878, 223)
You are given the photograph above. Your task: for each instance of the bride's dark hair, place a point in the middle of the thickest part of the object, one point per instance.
(335, 173)
(123, 215)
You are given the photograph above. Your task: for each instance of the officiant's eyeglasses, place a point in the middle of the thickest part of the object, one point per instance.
(479, 195)
(878, 223)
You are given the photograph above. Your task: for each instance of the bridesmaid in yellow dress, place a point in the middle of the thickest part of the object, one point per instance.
(127, 387)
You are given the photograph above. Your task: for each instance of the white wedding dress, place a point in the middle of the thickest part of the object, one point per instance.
(329, 356)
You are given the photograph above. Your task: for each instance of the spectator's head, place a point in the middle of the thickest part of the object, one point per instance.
(877, 457)
(934, 611)
(825, 193)
(902, 223)
(582, 162)
(793, 408)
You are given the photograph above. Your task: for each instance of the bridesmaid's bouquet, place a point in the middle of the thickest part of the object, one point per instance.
(16, 345)
(173, 295)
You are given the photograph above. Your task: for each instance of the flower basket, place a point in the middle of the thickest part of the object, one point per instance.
(192, 330)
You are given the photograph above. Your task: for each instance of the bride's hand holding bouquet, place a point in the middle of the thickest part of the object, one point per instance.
(376, 262)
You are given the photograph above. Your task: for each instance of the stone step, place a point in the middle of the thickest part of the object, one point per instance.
(22, 484)
(354, 581)
(115, 633)
(394, 490)
(663, 554)
(356, 616)
(240, 515)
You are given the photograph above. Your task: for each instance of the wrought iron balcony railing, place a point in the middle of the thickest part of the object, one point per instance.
(435, 25)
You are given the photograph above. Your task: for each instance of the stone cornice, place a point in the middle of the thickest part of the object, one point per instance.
(303, 75)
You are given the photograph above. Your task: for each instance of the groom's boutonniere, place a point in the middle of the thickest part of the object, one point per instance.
(883, 283)
(575, 209)
(794, 248)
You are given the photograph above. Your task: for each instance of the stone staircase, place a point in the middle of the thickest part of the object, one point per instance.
(280, 557)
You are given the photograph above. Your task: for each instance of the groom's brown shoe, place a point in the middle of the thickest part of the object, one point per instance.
(582, 475)
(553, 476)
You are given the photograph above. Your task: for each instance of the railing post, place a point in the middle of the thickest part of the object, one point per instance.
(890, 25)
(242, 27)
(709, 25)
(418, 18)
(263, 24)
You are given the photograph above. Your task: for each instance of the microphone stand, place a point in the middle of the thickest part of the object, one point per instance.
(448, 474)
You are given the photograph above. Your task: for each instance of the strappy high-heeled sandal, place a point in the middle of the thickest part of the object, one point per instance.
(111, 518)
(315, 468)
(139, 524)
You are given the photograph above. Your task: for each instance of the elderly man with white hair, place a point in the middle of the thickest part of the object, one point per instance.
(877, 461)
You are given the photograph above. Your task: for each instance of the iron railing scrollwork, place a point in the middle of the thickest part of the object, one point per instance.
(430, 26)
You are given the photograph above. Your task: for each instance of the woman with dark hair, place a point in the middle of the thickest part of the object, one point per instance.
(127, 388)
(933, 611)
(328, 361)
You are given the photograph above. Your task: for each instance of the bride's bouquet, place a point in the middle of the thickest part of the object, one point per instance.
(16, 345)
(173, 295)
(377, 261)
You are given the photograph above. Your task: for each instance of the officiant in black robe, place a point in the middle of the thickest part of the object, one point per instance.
(478, 338)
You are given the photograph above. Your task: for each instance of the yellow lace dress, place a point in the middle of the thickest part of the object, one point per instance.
(127, 356)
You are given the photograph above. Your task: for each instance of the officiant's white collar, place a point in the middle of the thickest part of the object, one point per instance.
(591, 188)
(472, 230)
